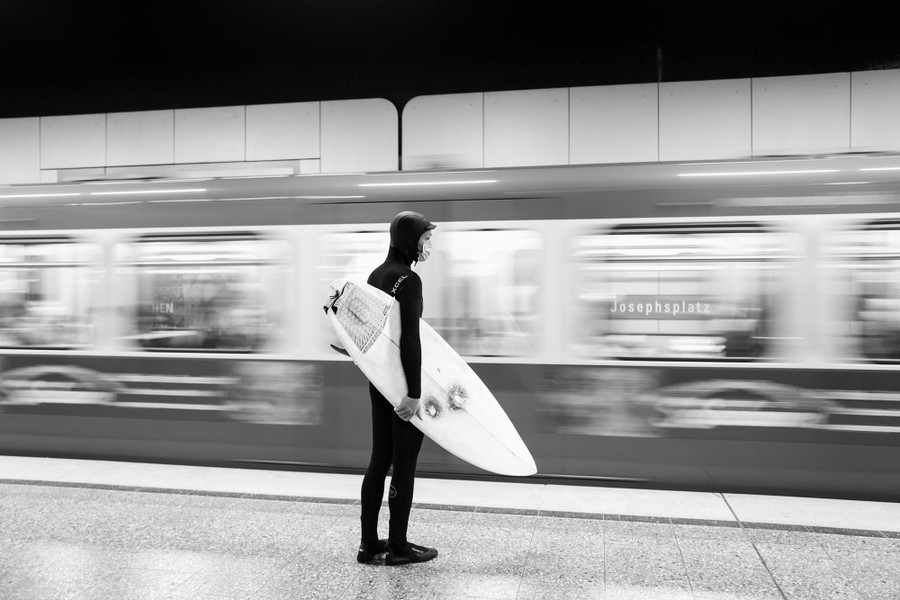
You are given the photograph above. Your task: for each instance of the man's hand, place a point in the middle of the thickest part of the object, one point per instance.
(408, 408)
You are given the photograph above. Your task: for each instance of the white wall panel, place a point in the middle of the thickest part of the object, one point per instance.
(310, 166)
(283, 131)
(359, 136)
(444, 131)
(70, 142)
(140, 138)
(875, 110)
(20, 151)
(705, 120)
(614, 123)
(209, 134)
(526, 128)
(802, 114)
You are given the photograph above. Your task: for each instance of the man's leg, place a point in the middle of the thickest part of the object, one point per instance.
(373, 483)
(407, 443)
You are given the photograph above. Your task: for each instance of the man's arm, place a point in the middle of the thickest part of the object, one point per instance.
(409, 297)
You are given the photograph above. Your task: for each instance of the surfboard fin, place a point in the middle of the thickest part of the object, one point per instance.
(339, 350)
(332, 300)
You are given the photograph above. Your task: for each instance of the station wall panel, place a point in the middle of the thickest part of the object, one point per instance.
(801, 114)
(210, 134)
(615, 123)
(444, 131)
(526, 128)
(20, 150)
(69, 142)
(140, 138)
(359, 136)
(310, 166)
(705, 120)
(599, 124)
(283, 131)
(875, 112)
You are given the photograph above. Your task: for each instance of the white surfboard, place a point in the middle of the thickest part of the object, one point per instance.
(458, 412)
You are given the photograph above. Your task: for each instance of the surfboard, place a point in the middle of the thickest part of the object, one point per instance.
(459, 412)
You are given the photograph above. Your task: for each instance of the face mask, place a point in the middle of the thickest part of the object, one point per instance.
(424, 250)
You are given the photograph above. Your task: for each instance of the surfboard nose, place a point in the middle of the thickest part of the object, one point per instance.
(527, 468)
(521, 470)
(517, 463)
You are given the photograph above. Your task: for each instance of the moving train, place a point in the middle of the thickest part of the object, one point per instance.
(722, 326)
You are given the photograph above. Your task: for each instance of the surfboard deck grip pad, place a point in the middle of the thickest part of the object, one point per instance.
(362, 315)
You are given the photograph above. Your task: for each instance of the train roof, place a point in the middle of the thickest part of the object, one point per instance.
(858, 171)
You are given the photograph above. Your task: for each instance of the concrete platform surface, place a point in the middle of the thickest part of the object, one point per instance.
(97, 529)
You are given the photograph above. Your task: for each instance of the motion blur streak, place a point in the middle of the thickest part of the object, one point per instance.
(638, 325)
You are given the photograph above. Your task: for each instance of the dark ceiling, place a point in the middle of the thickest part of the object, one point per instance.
(71, 57)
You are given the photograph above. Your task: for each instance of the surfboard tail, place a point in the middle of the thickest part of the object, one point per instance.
(362, 315)
(335, 289)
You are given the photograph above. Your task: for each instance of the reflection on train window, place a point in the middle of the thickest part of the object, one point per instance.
(490, 289)
(217, 292)
(677, 292)
(45, 293)
(866, 265)
(352, 254)
(487, 279)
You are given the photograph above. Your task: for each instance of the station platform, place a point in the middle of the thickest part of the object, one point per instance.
(85, 530)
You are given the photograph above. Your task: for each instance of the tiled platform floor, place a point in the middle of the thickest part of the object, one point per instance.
(92, 530)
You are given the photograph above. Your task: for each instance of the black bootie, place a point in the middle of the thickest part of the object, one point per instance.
(366, 554)
(406, 553)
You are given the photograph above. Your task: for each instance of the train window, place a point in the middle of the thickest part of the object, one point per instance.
(691, 292)
(45, 293)
(352, 255)
(489, 287)
(865, 267)
(487, 282)
(207, 293)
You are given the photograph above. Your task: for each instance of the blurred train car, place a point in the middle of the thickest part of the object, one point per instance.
(710, 326)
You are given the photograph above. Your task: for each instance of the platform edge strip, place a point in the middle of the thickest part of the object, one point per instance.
(473, 509)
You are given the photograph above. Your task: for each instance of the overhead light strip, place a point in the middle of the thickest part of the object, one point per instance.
(742, 173)
(179, 191)
(59, 195)
(414, 183)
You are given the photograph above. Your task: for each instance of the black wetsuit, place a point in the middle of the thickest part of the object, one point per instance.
(396, 442)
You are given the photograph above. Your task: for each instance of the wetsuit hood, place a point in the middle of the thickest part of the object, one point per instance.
(406, 229)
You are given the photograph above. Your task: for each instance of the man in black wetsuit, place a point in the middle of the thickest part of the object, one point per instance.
(395, 441)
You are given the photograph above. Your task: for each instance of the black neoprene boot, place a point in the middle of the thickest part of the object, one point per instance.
(366, 554)
(408, 553)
